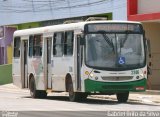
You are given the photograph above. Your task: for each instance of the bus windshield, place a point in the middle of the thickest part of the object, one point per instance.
(114, 50)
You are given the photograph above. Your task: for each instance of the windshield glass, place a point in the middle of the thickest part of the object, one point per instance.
(104, 50)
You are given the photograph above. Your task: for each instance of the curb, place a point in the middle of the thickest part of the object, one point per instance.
(148, 92)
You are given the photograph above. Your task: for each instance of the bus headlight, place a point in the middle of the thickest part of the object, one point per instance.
(141, 75)
(91, 75)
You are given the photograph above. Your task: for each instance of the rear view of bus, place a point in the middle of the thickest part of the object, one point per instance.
(114, 59)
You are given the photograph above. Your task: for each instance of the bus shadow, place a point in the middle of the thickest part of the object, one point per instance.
(97, 101)
(58, 98)
(87, 101)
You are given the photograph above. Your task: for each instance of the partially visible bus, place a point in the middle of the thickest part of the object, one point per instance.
(84, 58)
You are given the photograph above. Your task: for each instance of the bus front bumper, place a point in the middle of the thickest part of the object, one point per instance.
(115, 87)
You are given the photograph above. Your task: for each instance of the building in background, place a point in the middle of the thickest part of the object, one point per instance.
(148, 12)
(6, 37)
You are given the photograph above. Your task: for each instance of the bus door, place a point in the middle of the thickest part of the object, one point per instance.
(79, 62)
(16, 64)
(47, 61)
(24, 65)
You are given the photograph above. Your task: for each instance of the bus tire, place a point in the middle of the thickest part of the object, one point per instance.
(36, 93)
(73, 96)
(122, 97)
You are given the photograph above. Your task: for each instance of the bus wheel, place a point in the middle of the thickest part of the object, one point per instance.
(36, 93)
(122, 97)
(73, 96)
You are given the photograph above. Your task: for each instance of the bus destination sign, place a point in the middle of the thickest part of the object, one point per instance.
(133, 28)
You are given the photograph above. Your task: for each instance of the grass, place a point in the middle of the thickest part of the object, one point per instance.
(5, 74)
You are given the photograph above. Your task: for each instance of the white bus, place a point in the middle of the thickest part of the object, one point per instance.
(84, 58)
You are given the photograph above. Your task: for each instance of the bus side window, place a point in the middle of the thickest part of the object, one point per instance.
(58, 44)
(30, 46)
(17, 46)
(37, 45)
(68, 43)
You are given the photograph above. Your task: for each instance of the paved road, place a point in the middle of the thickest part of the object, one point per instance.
(14, 99)
(56, 114)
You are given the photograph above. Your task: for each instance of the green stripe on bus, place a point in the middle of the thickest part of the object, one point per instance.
(97, 86)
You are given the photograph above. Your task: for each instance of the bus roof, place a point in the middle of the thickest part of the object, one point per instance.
(63, 27)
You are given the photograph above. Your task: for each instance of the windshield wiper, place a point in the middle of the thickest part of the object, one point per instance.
(126, 37)
(106, 38)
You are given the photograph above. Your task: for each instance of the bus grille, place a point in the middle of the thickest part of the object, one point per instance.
(117, 78)
(117, 87)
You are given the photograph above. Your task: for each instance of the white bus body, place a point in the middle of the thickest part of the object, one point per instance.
(56, 58)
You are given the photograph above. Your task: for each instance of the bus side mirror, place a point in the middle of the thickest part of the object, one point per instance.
(81, 38)
(144, 32)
